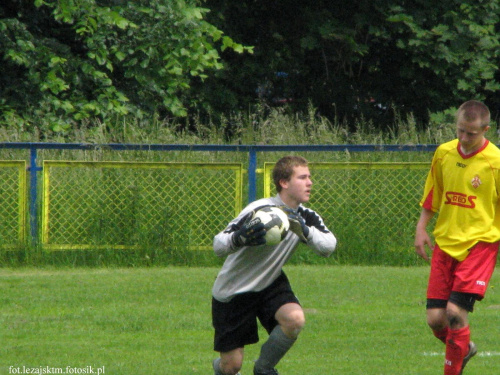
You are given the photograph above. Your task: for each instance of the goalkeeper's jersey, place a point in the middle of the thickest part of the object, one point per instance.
(465, 190)
(253, 268)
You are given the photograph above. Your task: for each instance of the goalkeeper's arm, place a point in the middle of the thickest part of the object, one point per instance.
(241, 232)
(310, 228)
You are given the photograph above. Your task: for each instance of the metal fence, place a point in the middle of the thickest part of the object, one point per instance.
(91, 205)
(13, 203)
(375, 203)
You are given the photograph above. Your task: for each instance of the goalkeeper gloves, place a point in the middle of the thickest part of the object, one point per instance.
(251, 233)
(297, 224)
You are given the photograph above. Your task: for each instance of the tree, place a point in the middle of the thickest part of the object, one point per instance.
(69, 60)
(453, 49)
(361, 58)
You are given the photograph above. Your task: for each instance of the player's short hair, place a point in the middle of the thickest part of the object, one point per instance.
(283, 170)
(473, 110)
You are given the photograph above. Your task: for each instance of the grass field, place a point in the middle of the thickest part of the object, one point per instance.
(135, 321)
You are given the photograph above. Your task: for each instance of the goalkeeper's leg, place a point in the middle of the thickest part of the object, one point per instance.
(229, 363)
(291, 321)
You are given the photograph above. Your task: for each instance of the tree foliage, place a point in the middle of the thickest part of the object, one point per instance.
(78, 59)
(68, 60)
(453, 47)
(361, 58)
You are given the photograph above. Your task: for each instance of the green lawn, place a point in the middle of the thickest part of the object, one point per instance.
(360, 320)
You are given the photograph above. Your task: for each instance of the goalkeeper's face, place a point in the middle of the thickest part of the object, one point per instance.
(298, 189)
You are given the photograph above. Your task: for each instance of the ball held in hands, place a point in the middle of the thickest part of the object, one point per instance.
(275, 223)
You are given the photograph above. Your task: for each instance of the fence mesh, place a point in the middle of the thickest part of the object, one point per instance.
(13, 203)
(92, 205)
(369, 206)
(125, 205)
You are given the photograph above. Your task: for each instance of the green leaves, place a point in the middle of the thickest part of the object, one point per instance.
(84, 58)
(111, 57)
(458, 44)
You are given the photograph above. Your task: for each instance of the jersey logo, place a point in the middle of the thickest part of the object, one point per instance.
(476, 181)
(459, 199)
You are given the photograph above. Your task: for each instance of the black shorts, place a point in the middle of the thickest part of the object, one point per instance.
(235, 322)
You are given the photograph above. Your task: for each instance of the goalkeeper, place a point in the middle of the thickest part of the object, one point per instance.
(252, 285)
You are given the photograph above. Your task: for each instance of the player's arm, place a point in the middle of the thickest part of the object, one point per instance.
(422, 238)
(297, 224)
(312, 230)
(241, 232)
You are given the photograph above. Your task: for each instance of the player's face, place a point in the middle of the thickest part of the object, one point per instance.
(298, 189)
(471, 135)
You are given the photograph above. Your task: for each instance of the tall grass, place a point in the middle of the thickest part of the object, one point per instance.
(270, 126)
(262, 126)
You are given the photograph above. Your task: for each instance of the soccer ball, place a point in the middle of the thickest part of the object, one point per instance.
(275, 222)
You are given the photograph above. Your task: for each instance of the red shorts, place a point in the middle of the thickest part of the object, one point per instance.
(472, 275)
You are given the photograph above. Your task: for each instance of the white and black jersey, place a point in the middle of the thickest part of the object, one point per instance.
(253, 268)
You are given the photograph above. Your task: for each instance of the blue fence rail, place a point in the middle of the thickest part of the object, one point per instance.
(252, 151)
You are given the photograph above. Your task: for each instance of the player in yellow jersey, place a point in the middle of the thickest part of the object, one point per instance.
(463, 187)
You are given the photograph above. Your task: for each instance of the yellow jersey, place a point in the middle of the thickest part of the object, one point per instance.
(465, 190)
